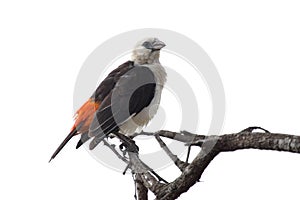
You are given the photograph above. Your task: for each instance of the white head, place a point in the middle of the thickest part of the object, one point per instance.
(147, 51)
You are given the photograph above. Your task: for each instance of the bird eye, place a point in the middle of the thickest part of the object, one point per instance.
(147, 45)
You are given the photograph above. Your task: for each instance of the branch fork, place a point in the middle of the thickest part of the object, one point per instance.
(210, 146)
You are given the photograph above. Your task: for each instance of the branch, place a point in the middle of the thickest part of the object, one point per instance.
(180, 164)
(142, 191)
(145, 172)
(144, 179)
(210, 146)
(183, 136)
(113, 149)
(213, 145)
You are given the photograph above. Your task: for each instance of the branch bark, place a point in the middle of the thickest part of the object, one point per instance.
(180, 164)
(142, 191)
(210, 147)
(213, 145)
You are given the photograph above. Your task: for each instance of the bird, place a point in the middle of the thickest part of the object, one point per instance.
(125, 101)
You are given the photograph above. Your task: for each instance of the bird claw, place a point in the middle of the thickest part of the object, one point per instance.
(122, 147)
(129, 147)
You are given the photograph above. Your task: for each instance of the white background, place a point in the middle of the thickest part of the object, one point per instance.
(255, 46)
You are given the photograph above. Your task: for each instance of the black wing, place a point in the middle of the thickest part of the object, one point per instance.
(110, 81)
(104, 89)
(132, 88)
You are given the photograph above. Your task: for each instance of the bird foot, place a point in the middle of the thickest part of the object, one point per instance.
(129, 147)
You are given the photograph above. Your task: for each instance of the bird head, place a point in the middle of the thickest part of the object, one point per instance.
(147, 51)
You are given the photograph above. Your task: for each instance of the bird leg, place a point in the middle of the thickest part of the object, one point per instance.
(132, 149)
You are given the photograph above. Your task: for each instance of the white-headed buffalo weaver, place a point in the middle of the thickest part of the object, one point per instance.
(125, 101)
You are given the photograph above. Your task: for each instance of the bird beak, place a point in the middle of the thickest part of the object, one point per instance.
(157, 45)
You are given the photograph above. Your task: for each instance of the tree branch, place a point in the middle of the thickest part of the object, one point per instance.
(144, 179)
(213, 145)
(183, 136)
(142, 191)
(210, 147)
(180, 164)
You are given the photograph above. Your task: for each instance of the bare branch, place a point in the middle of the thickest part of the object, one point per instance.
(113, 149)
(183, 136)
(180, 164)
(213, 145)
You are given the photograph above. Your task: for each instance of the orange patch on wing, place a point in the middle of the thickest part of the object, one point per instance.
(85, 115)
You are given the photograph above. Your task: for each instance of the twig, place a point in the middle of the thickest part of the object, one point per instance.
(135, 185)
(180, 164)
(188, 154)
(183, 136)
(252, 128)
(112, 147)
(139, 167)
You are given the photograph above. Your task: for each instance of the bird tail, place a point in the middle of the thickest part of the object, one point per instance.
(84, 137)
(66, 140)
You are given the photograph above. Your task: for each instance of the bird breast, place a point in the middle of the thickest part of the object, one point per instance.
(136, 122)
